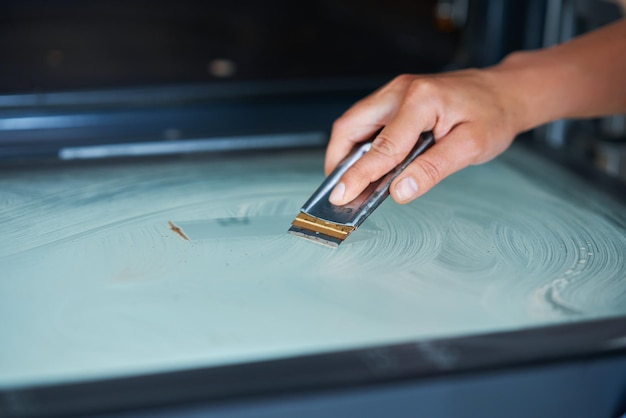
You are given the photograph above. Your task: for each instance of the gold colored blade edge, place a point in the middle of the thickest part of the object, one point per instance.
(332, 229)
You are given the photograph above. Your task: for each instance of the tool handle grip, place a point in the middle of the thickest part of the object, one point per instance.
(381, 186)
(355, 212)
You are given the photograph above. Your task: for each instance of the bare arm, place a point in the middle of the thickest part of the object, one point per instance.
(475, 114)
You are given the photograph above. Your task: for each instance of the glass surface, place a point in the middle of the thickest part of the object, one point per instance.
(116, 269)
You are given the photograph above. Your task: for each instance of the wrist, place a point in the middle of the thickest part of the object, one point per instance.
(535, 88)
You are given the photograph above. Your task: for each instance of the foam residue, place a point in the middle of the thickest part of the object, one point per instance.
(97, 282)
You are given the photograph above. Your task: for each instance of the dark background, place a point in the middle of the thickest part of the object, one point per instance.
(68, 44)
(105, 72)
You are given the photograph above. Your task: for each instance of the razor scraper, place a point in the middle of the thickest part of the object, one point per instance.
(324, 223)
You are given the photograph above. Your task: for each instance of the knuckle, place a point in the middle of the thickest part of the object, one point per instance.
(473, 147)
(422, 88)
(339, 123)
(514, 58)
(431, 171)
(384, 146)
(403, 79)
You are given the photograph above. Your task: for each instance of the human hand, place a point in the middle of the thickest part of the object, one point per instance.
(472, 114)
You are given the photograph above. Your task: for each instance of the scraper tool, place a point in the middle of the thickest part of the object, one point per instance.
(324, 223)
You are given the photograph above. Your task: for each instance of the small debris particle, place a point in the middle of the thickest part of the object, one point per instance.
(177, 230)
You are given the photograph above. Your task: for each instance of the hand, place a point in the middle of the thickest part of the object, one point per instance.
(470, 113)
(475, 114)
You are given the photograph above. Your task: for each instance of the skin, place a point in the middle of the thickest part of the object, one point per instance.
(476, 114)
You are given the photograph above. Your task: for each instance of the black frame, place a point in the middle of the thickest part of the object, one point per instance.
(421, 361)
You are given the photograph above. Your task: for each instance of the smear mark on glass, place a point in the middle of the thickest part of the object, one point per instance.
(235, 226)
(252, 226)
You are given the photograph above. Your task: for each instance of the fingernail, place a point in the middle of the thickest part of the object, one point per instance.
(336, 195)
(406, 189)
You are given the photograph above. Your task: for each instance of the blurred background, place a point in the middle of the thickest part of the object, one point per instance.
(97, 73)
(68, 45)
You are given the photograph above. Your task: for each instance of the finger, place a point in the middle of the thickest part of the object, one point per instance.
(391, 146)
(458, 149)
(363, 119)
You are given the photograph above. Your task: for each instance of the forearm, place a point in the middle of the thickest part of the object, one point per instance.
(585, 77)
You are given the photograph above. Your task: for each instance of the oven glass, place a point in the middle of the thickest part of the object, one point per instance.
(120, 268)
